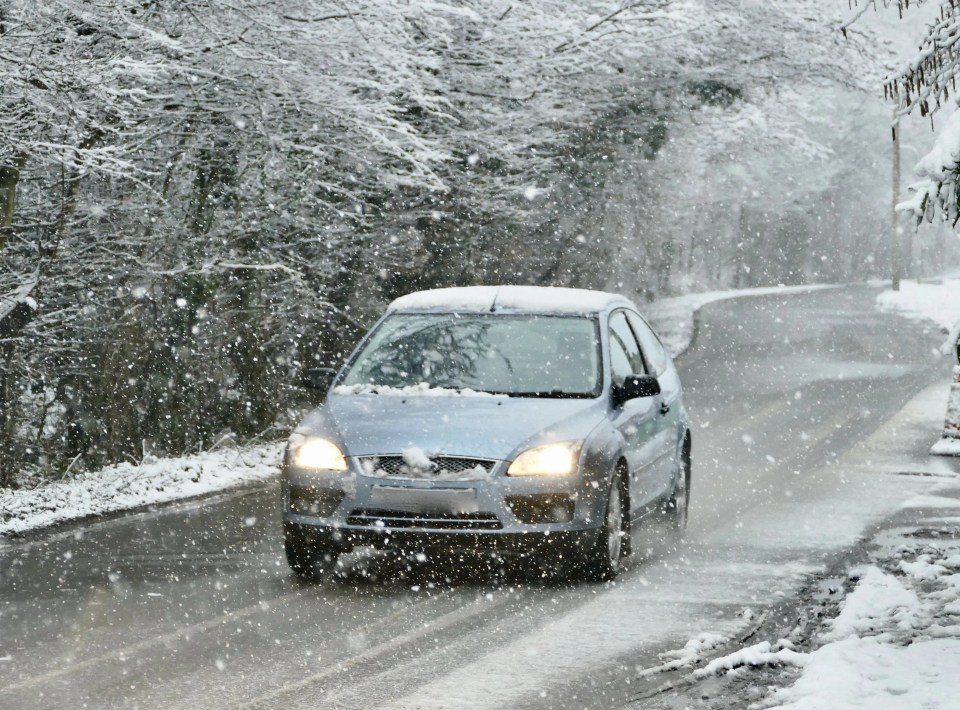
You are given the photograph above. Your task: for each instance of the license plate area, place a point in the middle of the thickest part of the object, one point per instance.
(449, 501)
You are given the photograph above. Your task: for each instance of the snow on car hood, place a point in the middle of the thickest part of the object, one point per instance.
(478, 427)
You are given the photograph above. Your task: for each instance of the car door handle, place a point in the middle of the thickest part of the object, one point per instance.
(664, 408)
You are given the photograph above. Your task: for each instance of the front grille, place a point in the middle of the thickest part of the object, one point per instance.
(399, 519)
(442, 467)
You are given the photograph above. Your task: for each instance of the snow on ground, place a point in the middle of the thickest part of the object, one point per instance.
(895, 641)
(946, 447)
(949, 443)
(869, 673)
(760, 654)
(690, 655)
(126, 485)
(937, 301)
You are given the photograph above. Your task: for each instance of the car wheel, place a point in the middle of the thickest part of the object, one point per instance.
(603, 559)
(678, 505)
(308, 561)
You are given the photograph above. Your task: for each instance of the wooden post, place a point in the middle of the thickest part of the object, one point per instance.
(896, 242)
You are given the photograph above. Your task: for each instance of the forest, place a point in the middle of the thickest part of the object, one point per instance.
(201, 198)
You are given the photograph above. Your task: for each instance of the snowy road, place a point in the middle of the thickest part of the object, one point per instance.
(193, 606)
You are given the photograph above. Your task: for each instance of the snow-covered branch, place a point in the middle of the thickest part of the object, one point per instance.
(925, 81)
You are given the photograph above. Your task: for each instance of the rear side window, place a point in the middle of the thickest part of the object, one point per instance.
(625, 358)
(652, 347)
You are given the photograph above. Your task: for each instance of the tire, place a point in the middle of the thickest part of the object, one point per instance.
(309, 562)
(602, 561)
(677, 506)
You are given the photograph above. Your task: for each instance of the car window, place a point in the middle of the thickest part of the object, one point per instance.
(625, 358)
(653, 351)
(517, 355)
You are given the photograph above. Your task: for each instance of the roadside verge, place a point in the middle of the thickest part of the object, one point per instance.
(126, 486)
(878, 627)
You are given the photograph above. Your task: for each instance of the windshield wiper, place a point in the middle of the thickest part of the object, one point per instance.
(554, 394)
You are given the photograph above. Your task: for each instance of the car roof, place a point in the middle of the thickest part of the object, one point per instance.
(508, 299)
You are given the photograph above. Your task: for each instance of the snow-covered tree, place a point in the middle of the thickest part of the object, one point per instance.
(203, 196)
(200, 197)
(924, 83)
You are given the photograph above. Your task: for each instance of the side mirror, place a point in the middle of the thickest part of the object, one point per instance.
(635, 387)
(318, 378)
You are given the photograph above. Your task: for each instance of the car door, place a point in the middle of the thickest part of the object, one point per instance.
(636, 419)
(669, 404)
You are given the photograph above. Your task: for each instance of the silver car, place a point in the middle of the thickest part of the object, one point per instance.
(540, 421)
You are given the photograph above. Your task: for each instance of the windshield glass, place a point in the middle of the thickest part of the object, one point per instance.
(515, 355)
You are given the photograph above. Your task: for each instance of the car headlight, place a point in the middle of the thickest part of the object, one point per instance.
(318, 454)
(558, 459)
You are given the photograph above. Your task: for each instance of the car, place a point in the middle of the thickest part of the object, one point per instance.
(530, 420)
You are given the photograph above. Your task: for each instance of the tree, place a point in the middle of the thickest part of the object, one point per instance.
(209, 195)
(924, 84)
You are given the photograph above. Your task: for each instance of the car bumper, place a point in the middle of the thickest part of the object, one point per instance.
(344, 539)
(345, 510)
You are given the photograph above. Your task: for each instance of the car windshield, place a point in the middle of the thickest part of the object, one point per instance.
(519, 355)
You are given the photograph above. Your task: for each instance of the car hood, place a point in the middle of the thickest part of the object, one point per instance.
(478, 427)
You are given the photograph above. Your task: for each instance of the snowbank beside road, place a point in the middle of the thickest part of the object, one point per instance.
(937, 301)
(895, 642)
(864, 634)
(125, 486)
(903, 617)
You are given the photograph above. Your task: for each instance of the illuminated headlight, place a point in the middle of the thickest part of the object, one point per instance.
(317, 454)
(558, 459)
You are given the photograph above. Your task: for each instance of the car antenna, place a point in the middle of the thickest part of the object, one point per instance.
(493, 306)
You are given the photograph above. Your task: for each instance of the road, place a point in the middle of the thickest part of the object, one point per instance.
(192, 605)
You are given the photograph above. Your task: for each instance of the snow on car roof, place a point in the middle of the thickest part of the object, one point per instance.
(523, 299)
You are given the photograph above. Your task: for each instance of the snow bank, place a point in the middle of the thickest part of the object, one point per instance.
(870, 673)
(880, 601)
(934, 301)
(896, 641)
(939, 302)
(893, 644)
(946, 447)
(761, 654)
(126, 486)
(690, 655)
